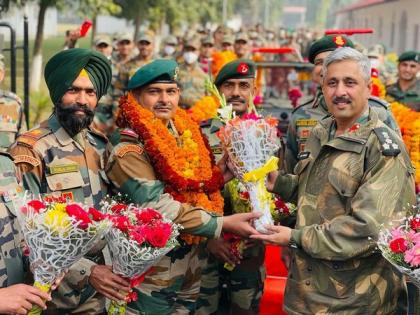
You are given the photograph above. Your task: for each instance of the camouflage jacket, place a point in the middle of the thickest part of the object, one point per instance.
(52, 163)
(12, 266)
(192, 81)
(411, 97)
(131, 173)
(347, 187)
(12, 119)
(307, 115)
(209, 128)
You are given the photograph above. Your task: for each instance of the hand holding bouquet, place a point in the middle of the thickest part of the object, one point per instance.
(137, 240)
(401, 246)
(57, 235)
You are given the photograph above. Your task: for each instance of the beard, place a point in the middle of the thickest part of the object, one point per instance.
(71, 122)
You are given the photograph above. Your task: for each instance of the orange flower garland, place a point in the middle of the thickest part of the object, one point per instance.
(186, 166)
(409, 122)
(378, 89)
(219, 59)
(204, 109)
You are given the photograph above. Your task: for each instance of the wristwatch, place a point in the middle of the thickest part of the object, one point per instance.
(292, 243)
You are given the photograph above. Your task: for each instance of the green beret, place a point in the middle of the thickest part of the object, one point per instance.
(328, 43)
(159, 70)
(63, 68)
(237, 69)
(409, 56)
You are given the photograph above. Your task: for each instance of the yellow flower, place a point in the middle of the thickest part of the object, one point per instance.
(57, 220)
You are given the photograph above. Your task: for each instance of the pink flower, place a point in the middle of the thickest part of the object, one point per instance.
(250, 116)
(397, 233)
(77, 212)
(414, 237)
(412, 256)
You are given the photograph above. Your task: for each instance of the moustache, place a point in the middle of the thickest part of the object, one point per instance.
(341, 99)
(236, 100)
(70, 121)
(70, 109)
(162, 106)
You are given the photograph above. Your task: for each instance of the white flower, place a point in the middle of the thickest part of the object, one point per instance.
(225, 113)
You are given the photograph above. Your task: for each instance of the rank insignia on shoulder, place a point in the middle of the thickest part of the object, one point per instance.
(129, 133)
(123, 150)
(389, 147)
(303, 155)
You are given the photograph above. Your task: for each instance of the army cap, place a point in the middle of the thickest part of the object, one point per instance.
(328, 43)
(171, 40)
(157, 71)
(242, 36)
(409, 56)
(102, 39)
(147, 36)
(228, 39)
(207, 40)
(125, 36)
(237, 69)
(193, 42)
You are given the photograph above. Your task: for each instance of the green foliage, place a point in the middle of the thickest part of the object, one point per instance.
(93, 8)
(40, 106)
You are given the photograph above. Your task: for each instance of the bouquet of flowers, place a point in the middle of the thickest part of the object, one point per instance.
(400, 245)
(250, 141)
(57, 234)
(137, 240)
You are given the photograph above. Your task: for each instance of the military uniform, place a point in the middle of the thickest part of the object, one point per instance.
(192, 80)
(178, 274)
(410, 97)
(126, 71)
(54, 164)
(347, 186)
(306, 116)
(13, 264)
(12, 119)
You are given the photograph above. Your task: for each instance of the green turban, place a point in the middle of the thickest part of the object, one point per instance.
(63, 68)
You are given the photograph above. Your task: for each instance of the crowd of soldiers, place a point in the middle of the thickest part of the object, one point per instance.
(339, 168)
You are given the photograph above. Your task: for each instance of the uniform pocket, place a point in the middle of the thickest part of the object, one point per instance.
(301, 166)
(64, 181)
(343, 183)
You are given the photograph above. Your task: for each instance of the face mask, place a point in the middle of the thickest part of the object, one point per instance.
(169, 50)
(190, 57)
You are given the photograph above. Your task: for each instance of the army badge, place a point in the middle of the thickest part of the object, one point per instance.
(176, 72)
(339, 41)
(242, 68)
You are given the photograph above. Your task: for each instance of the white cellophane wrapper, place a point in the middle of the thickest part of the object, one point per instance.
(383, 243)
(250, 144)
(52, 251)
(129, 259)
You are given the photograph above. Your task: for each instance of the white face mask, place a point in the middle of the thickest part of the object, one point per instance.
(190, 57)
(169, 50)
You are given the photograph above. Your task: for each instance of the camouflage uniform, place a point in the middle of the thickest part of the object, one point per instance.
(245, 282)
(12, 263)
(125, 72)
(411, 97)
(174, 286)
(307, 115)
(55, 164)
(347, 187)
(12, 119)
(192, 81)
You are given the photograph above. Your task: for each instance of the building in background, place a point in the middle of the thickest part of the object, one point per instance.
(395, 22)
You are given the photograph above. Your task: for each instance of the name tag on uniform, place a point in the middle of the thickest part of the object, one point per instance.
(217, 150)
(60, 169)
(306, 122)
(303, 155)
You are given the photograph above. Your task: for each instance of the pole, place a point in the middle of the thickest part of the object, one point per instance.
(26, 68)
(224, 12)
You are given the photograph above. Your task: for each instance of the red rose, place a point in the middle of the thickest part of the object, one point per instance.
(157, 235)
(121, 222)
(147, 215)
(136, 236)
(131, 297)
(398, 245)
(244, 195)
(77, 212)
(415, 224)
(118, 208)
(281, 206)
(36, 205)
(96, 215)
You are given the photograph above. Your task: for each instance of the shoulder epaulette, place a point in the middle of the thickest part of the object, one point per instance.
(31, 137)
(129, 133)
(389, 146)
(304, 104)
(376, 101)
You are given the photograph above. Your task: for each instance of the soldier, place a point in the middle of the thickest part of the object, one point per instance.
(206, 52)
(227, 43)
(236, 80)
(15, 296)
(12, 117)
(242, 46)
(191, 78)
(219, 34)
(63, 158)
(169, 48)
(140, 164)
(103, 44)
(354, 175)
(307, 115)
(407, 88)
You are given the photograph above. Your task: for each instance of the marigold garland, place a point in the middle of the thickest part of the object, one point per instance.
(186, 166)
(409, 122)
(219, 59)
(378, 88)
(204, 109)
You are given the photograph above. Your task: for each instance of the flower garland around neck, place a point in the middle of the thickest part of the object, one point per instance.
(185, 163)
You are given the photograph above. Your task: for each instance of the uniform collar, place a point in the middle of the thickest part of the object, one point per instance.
(60, 133)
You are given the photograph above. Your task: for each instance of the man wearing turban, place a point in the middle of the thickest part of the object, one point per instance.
(62, 158)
